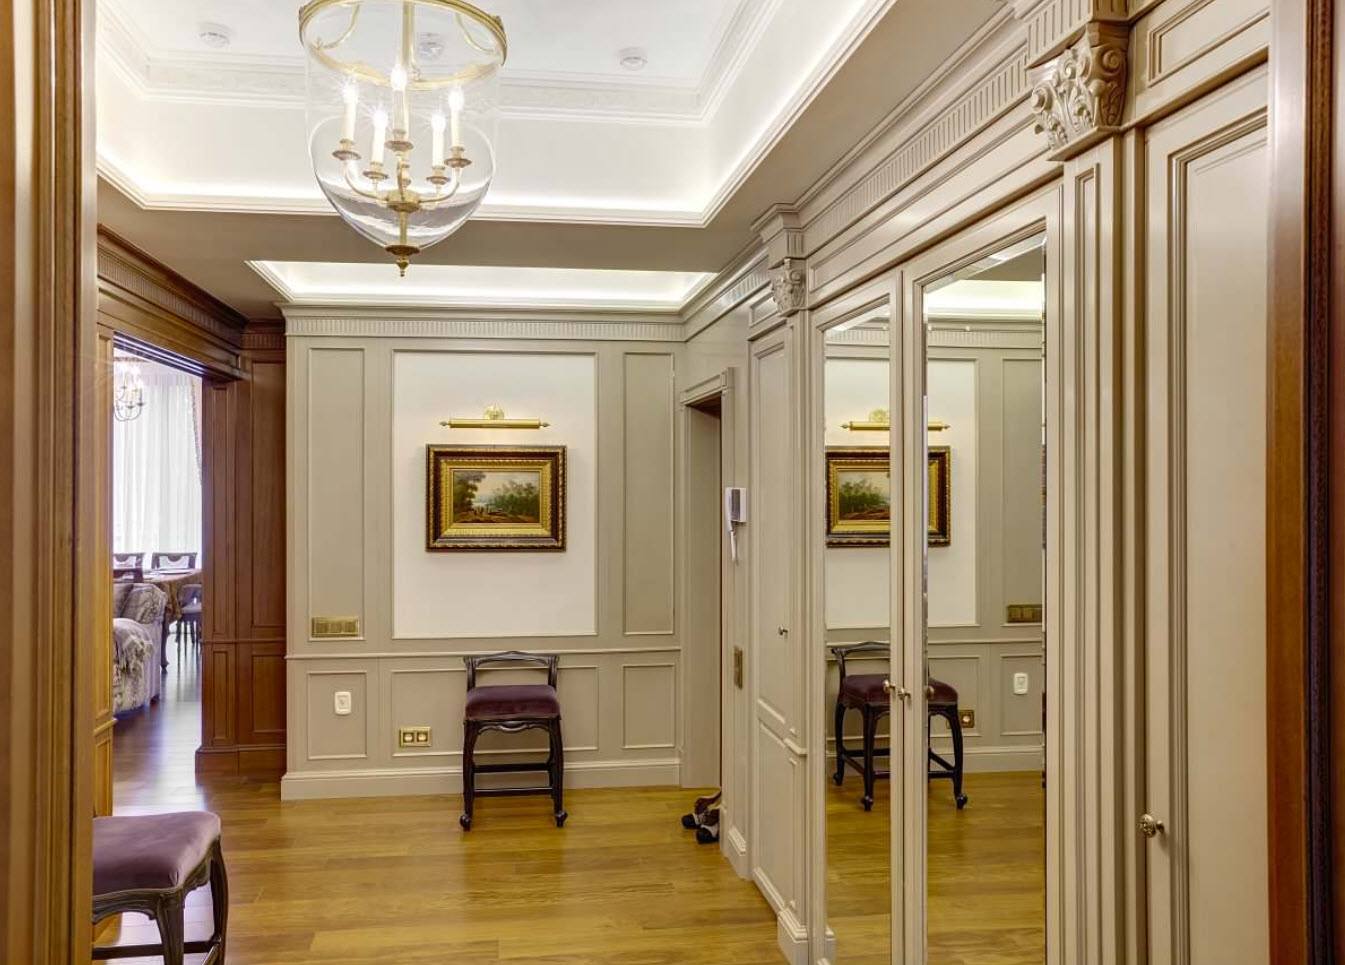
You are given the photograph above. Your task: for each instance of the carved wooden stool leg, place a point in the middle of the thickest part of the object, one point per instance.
(870, 733)
(955, 725)
(469, 735)
(219, 899)
(168, 915)
(558, 773)
(839, 777)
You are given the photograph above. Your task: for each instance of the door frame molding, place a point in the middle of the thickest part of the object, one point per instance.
(1305, 504)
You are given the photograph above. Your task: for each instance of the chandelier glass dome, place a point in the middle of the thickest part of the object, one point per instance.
(403, 99)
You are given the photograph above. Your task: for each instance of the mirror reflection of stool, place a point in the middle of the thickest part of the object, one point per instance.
(941, 699)
(867, 694)
(512, 708)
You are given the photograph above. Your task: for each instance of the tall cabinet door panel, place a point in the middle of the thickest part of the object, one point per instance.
(1204, 829)
(779, 773)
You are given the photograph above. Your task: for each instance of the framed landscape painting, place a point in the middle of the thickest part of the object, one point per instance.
(495, 498)
(859, 496)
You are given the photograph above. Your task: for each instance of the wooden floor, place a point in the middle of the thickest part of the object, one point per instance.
(394, 880)
(987, 873)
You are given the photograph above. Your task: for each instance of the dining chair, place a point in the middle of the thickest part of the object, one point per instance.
(120, 560)
(172, 561)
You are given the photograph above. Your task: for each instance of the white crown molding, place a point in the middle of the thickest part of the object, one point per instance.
(346, 321)
(248, 80)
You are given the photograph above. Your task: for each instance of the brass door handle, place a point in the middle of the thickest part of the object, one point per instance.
(901, 692)
(782, 631)
(1150, 826)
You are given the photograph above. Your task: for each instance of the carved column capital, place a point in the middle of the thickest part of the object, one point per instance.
(789, 287)
(1078, 97)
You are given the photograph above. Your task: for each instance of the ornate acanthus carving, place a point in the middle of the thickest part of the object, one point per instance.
(1079, 97)
(789, 287)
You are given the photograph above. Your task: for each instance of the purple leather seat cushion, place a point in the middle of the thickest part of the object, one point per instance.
(865, 688)
(512, 702)
(150, 851)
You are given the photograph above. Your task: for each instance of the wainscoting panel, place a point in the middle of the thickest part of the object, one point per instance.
(338, 737)
(649, 706)
(648, 495)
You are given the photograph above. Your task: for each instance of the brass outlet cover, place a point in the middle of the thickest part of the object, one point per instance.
(967, 717)
(738, 667)
(328, 628)
(1023, 613)
(413, 737)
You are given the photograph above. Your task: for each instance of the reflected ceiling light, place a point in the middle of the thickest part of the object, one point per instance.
(401, 132)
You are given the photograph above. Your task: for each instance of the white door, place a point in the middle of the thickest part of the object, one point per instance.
(1204, 833)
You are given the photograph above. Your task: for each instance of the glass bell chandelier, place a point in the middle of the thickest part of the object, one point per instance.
(128, 394)
(402, 98)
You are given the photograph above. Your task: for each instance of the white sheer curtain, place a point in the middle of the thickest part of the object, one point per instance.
(156, 465)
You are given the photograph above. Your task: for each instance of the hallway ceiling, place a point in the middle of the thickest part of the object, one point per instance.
(741, 104)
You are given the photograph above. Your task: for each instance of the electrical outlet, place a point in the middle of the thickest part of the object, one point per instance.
(413, 737)
(341, 703)
(967, 717)
(1020, 684)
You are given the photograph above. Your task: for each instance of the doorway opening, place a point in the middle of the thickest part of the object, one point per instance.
(704, 659)
(157, 572)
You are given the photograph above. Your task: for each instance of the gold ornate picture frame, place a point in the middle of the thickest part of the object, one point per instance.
(859, 496)
(494, 498)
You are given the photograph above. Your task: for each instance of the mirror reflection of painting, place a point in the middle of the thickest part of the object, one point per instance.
(495, 498)
(481, 496)
(864, 496)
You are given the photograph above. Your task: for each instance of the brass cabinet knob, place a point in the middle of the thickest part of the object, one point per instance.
(782, 631)
(901, 692)
(1150, 826)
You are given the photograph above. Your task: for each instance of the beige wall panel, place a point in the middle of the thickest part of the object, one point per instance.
(425, 697)
(954, 585)
(332, 512)
(777, 841)
(649, 516)
(649, 706)
(333, 737)
(966, 673)
(1019, 714)
(1021, 516)
(1181, 44)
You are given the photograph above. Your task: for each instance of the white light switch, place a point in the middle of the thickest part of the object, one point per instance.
(342, 701)
(1020, 684)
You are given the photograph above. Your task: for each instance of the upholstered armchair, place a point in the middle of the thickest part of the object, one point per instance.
(137, 635)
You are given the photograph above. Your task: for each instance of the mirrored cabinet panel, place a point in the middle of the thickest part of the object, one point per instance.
(856, 651)
(984, 648)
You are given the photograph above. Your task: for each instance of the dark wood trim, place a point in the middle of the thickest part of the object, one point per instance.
(1298, 667)
(149, 304)
(47, 416)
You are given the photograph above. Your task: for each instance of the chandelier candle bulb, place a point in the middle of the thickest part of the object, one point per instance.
(437, 128)
(455, 102)
(350, 93)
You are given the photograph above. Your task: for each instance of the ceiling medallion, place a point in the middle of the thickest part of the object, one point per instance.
(401, 131)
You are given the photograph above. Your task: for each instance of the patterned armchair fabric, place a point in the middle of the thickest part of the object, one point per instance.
(137, 634)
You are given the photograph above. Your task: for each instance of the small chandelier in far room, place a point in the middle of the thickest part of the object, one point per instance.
(402, 99)
(128, 392)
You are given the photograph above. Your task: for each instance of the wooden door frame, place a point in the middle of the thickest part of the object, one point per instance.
(47, 558)
(1305, 505)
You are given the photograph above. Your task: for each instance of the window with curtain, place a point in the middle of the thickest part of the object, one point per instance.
(156, 461)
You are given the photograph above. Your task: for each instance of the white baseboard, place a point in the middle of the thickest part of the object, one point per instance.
(733, 845)
(394, 782)
(792, 937)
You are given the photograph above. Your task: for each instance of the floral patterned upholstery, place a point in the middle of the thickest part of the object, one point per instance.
(137, 635)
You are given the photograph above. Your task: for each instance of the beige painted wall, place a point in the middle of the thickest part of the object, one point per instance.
(362, 409)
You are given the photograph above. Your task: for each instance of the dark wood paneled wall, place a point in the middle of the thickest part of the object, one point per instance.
(243, 703)
(243, 498)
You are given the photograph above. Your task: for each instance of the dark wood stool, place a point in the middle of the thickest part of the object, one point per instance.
(512, 708)
(148, 864)
(866, 694)
(941, 699)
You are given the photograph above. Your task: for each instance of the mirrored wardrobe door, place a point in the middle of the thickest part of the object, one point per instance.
(854, 380)
(975, 468)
